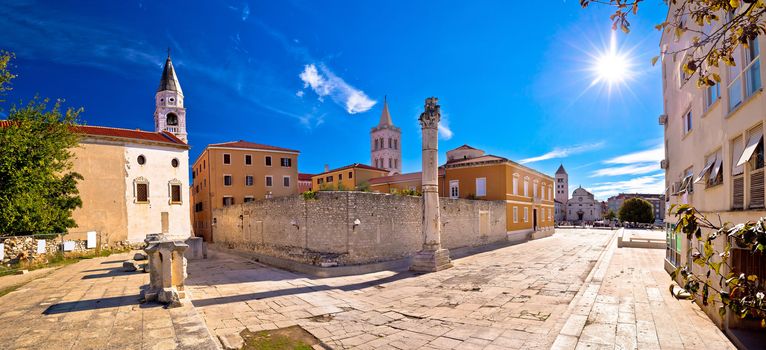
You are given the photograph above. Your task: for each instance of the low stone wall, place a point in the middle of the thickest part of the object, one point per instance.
(18, 248)
(347, 228)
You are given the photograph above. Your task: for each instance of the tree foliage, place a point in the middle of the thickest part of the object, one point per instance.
(637, 210)
(38, 190)
(715, 28)
(610, 215)
(719, 281)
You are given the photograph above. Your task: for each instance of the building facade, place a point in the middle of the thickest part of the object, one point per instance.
(714, 156)
(304, 182)
(237, 172)
(385, 144)
(562, 185)
(583, 207)
(351, 177)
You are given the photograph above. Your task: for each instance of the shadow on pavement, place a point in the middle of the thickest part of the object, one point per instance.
(95, 304)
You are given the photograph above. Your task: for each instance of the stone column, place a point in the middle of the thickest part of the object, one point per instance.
(432, 257)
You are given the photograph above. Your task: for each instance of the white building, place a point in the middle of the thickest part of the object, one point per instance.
(583, 207)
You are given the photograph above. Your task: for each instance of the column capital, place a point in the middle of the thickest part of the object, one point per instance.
(429, 119)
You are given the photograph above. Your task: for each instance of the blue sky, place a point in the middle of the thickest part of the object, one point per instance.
(514, 78)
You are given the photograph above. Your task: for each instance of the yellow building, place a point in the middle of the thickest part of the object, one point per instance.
(238, 172)
(471, 174)
(350, 177)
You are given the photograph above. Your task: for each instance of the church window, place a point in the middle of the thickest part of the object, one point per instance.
(396, 144)
(268, 160)
(226, 158)
(376, 144)
(389, 163)
(396, 163)
(174, 163)
(389, 142)
(171, 119)
(454, 189)
(142, 190)
(175, 193)
(141, 160)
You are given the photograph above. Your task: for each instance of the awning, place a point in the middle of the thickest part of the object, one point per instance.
(705, 170)
(685, 183)
(716, 169)
(752, 144)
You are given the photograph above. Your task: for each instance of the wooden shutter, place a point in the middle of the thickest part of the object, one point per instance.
(175, 193)
(756, 189)
(142, 193)
(738, 192)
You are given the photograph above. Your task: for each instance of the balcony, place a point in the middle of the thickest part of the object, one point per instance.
(172, 129)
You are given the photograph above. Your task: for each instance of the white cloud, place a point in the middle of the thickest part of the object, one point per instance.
(299, 93)
(246, 12)
(444, 130)
(645, 184)
(564, 152)
(325, 83)
(651, 155)
(632, 169)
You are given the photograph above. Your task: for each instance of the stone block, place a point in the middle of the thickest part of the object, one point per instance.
(129, 266)
(140, 256)
(431, 261)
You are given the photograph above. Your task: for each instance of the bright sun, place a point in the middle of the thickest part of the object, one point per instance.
(611, 66)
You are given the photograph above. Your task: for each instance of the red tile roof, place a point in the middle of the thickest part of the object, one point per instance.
(396, 178)
(250, 145)
(304, 177)
(161, 137)
(485, 158)
(355, 165)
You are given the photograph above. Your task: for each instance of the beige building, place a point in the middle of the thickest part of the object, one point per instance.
(237, 172)
(351, 177)
(714, 148)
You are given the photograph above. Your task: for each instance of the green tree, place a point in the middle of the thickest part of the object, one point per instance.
(637, 210)
(731, 23)
(610, 215)
(38, 189)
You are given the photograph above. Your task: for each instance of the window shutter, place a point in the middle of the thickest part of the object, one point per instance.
(756, 189)
(738, 192)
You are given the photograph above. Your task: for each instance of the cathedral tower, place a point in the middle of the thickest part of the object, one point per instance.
(385, 143)
(169, 113)
(562, 185)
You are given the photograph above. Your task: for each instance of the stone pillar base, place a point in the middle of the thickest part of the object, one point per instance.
(431, 261)
(168, 296)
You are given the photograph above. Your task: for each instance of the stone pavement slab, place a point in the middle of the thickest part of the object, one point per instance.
(630, 308)
(510, 298)
(94, 305)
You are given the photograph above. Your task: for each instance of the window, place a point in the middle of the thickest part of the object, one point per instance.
(268, 160)
(712, 94)
(526, 214)
(196, 189)
(550, 193)
(390, 162)
(534, 189)
(198, 207)
(319, 181)
(286, 181)
(226, 158)
(270, 181)
(174, 163)
(175, 193)
(248, 159)
(172, 118)
(526, 187)
(194, 174)
(516, 184)
(286, 162)
(687, 122)
(389, 142)
(396, 144)
(454, 189)
(328, 179)
(227, 201)
(396, 163)
(249, 199)
(745, 76)
(142, 192)
(248, 180)
(340, 176)
(481, 187)
(227, 180)
(515, 214)
(141, 160)
(376, 144)
(350, 174)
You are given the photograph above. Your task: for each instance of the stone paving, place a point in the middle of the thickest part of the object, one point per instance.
(93, 305)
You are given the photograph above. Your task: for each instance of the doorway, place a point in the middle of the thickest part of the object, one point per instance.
(534, 219)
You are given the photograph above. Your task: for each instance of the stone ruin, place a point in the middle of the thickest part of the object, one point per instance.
(167, 270)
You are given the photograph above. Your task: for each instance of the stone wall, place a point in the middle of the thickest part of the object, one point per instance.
(323, 231)
(23, 248)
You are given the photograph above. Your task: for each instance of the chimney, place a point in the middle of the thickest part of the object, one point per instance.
(326, 167)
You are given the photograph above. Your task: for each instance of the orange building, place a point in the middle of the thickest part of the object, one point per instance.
(471, 174)
(304, 182)
(350, 177)
(237, 172)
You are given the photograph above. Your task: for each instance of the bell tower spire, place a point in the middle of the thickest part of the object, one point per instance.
(169, 112)
(385, 143)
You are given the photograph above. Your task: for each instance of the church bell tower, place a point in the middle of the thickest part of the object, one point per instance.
(169, 113)
(385, 143)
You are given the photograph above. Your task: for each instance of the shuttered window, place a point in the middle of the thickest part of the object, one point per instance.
(738, 192)
(142, 192)
(756, 189)
(175, 193)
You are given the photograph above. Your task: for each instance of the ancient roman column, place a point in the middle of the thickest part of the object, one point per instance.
(432, 257)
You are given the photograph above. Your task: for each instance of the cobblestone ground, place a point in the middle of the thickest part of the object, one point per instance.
(93, 305)
(515, 297)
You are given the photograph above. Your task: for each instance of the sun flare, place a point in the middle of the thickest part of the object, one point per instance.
(611, 66)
